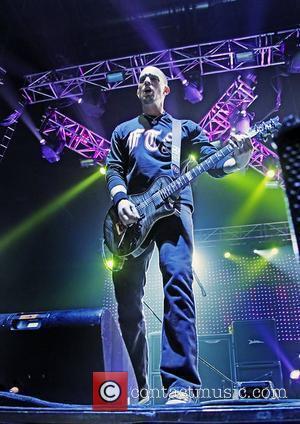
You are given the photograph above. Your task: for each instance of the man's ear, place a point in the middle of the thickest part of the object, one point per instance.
(166, 90)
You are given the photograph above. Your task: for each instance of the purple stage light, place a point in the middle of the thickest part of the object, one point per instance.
(295, 375)
(51, 149)
(241, 121)
(294, 67)
(192, 93)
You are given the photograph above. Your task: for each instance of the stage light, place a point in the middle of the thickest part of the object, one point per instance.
(274, 251)
(244, 57)
(270, 173)
(227, 255)
(294, 67)
(28, 225)
(113, 77)
(93, 102)
(109, 264)
(295, 375)
(52, 149)
(192, 158)
(80, 100)
(87, 163)
(193, 91)
(241, 121)
(102, 170)
(199, 261)
(113, 263)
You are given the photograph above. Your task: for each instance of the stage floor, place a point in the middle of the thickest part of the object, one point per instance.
(284, 411)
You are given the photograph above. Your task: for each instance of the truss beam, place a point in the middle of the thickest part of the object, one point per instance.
(75, 136)
(275, 231)
(2, 74)
(206, 58)
(6, 138)
(217, 123)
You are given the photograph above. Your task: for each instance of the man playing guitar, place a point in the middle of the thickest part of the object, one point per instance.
(141, 152)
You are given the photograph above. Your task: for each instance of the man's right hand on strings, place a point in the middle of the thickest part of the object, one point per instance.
(127, 212)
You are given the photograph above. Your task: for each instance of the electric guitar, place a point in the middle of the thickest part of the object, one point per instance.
(156, 202)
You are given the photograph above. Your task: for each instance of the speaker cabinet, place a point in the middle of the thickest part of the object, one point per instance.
(255, 341)
(52, 355)
(215, 349)
(260, 372)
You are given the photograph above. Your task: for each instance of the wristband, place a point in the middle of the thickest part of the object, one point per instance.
(119, 196)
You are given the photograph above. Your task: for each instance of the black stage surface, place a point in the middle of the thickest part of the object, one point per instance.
(250, 411)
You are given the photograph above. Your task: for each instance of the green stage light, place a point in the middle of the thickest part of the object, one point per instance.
(270, 173)
(109, 264)
(274, 251)
(102, 170)
(26, 226)
(192, 157)
(227, 255)
(247, 209)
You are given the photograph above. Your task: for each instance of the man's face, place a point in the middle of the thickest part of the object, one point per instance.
(152, 86)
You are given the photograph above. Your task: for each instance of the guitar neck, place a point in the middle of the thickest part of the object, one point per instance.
(263, 129)
(191, 175)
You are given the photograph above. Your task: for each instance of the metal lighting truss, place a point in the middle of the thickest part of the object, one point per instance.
(75, 136)
(6, 138)
(91, 145)
(207, 58)
(2, 73)
(216, 123)
(239, 235)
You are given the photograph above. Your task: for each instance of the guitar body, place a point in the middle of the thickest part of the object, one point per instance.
(132, 240)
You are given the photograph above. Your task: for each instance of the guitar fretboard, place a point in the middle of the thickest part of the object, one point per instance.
(191, 175)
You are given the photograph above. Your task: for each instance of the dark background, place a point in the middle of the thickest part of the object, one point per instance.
(57, 263)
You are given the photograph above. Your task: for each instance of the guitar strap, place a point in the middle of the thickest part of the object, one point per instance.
(176, 147)
(176, 144)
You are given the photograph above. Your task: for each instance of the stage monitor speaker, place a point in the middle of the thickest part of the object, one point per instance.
(215, 349)
(258, 372)
(255, 341)
(52, 355)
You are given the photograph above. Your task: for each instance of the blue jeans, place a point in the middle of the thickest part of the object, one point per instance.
(174, 238)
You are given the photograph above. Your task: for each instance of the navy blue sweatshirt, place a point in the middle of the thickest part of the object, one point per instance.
(141, 151)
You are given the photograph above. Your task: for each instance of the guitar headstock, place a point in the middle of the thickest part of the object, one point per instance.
(266, 129)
